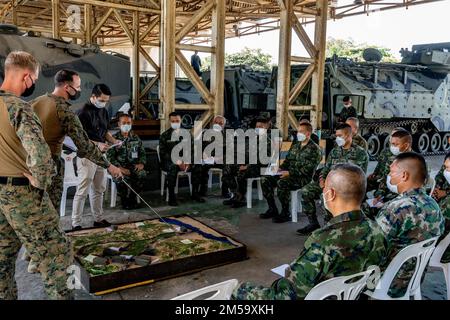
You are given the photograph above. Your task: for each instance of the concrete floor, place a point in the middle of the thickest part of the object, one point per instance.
(268, 245)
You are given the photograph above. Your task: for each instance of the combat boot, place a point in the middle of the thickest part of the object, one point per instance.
(313, 225)
(230, 201)
(195, 194)
(284, 216)
(272, 211)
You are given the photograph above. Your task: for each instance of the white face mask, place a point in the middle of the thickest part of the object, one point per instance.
(260, 131)
(392, 187)
(125, 128)
(325, 202)
(301, 137)
(395, 150)
(447, 175)
(217, 127)
(340, 141)
(175, 125)
(99, 104)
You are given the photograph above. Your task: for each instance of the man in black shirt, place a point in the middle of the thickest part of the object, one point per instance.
(95, 120)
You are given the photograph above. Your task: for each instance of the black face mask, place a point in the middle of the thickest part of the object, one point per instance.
(75, 96)
(30, 90)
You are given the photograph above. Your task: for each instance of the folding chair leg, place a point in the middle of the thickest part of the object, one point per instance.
(249, 194)
(446, 269)
(176, 185)
(113, 194)
(190, 184)
(294, 206)
(220, 179)
(163, 182)
(210, 176)
(62, 207)
(260, 193)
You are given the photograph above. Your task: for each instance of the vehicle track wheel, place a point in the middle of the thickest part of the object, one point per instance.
(445, 143)
(373, 145)
(435, 142)
(421, 142)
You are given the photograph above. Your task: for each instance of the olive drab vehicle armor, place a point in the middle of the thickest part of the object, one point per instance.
(414, 94)
(93, 65)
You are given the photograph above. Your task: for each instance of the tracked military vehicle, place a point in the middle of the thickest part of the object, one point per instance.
(245, 96)
(414, 94)
(93, 65)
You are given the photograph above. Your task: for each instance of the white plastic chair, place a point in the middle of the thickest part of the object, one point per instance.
(422, 251)
(296, 204)
(343, 288)
(211, 172)
(113, 191)
(431, 182)
(70, 179)
(435, 261)
(219, 291)
(180, 174)
(250, 191)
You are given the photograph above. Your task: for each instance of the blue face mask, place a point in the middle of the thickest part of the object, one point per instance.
(125, 128)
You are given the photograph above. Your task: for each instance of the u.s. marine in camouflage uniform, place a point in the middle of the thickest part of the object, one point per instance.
(58, 121)
(348, 153)
(442, 195)
(413, 216)
(300, 163)
(131, 158)
(27, 216)
(349, 243)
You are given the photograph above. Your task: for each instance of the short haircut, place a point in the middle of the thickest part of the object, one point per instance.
(346, 99)
(174, 114)
(399, 129)
(64, 76)
(349, 182)
(415, 164)
(447, 156)
(356, 120)
(344, 126)
(403, 135)
(121, 115)
(308, 126)
(21, 60)
(100, 89)
(263, 119)
(220, 117)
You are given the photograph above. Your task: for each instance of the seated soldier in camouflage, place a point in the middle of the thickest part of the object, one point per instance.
(131, 159)
(301, 161)
(248, 170)
(441, 194)
(400, 142)
(349, 243)
(166, 145)
(357, 138)
(413, 216)
(345, 152)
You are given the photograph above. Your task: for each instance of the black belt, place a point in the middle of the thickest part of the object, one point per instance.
(15, 181)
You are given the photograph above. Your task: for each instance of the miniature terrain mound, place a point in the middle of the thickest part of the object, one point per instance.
(135, 245)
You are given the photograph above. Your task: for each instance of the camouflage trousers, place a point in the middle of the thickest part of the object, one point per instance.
(27, 217)
(199, 174)
(284, 188)
(310, 193)
(229, 175)
(55, 190)
(444, 204)
(280, 289)
(136, 180)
